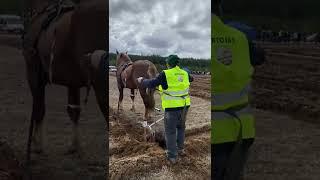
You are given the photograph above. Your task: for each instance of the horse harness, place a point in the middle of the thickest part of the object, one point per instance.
(122, 68)
(55, 11)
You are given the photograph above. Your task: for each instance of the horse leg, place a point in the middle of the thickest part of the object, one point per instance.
(73, 110)
(38, 112)
(132, 98)
(143, 94)
(120, 99)
(37, 82)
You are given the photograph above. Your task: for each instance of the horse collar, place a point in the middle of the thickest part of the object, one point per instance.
(125, 66)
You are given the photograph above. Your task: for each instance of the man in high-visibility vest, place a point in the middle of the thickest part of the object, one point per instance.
(174, 90)
(233, 125)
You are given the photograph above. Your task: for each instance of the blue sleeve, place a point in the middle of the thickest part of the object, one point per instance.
(189, 72)
(190, 78)
(159, 80)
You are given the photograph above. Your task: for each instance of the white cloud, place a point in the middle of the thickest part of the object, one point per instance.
(160, 27)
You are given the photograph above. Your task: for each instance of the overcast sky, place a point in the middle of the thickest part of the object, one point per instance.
(161, 27)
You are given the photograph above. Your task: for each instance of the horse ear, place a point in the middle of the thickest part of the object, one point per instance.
(117, 51)
(127, 52)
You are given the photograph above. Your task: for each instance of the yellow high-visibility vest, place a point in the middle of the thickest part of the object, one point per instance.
(230, 83)
(177, 94)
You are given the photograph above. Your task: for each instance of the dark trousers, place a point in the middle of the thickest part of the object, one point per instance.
(174, 122)
(228, 164)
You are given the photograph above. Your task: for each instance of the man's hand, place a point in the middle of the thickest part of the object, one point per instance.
(140, 79)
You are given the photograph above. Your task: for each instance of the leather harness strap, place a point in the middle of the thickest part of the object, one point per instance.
(125, 66)
(53, 45)
(55, 11)
(74, 106)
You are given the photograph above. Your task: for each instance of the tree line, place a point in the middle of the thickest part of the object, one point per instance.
(192, 64)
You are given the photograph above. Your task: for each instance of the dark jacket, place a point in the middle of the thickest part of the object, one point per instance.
(257, 55)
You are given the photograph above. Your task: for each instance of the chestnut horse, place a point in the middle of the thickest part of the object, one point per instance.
(61, 46)
(127, 74)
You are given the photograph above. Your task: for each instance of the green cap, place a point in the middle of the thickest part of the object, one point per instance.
(172, 60)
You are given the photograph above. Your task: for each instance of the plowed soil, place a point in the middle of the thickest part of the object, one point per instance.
(286, 90)
(289, 81)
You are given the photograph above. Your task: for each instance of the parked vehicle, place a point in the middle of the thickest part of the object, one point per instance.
(112, 69)
(11, 24)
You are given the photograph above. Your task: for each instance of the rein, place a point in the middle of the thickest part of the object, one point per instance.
(122, 68)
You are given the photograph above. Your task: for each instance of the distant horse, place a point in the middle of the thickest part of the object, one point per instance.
(127, 74)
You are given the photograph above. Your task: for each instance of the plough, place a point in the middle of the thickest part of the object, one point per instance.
(148, 127)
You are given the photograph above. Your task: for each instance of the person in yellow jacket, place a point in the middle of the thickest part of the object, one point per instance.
(233, 124)
(173, 85)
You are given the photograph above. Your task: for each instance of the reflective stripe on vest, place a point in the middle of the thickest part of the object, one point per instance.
(166, 97)
(217, 116)
(225, 128)
(221, 101)
(177, 94)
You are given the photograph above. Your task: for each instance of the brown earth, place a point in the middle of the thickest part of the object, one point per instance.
(15, 111)
(132, 158)
(289, 82)
(201, 86)
(286, 90)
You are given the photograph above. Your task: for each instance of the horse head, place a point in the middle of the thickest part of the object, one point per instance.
(122, 58)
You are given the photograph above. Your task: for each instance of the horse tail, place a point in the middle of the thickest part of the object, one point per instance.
(151, 72)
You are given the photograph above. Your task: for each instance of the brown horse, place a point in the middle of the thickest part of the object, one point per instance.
(62, 50)
(127, 74)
